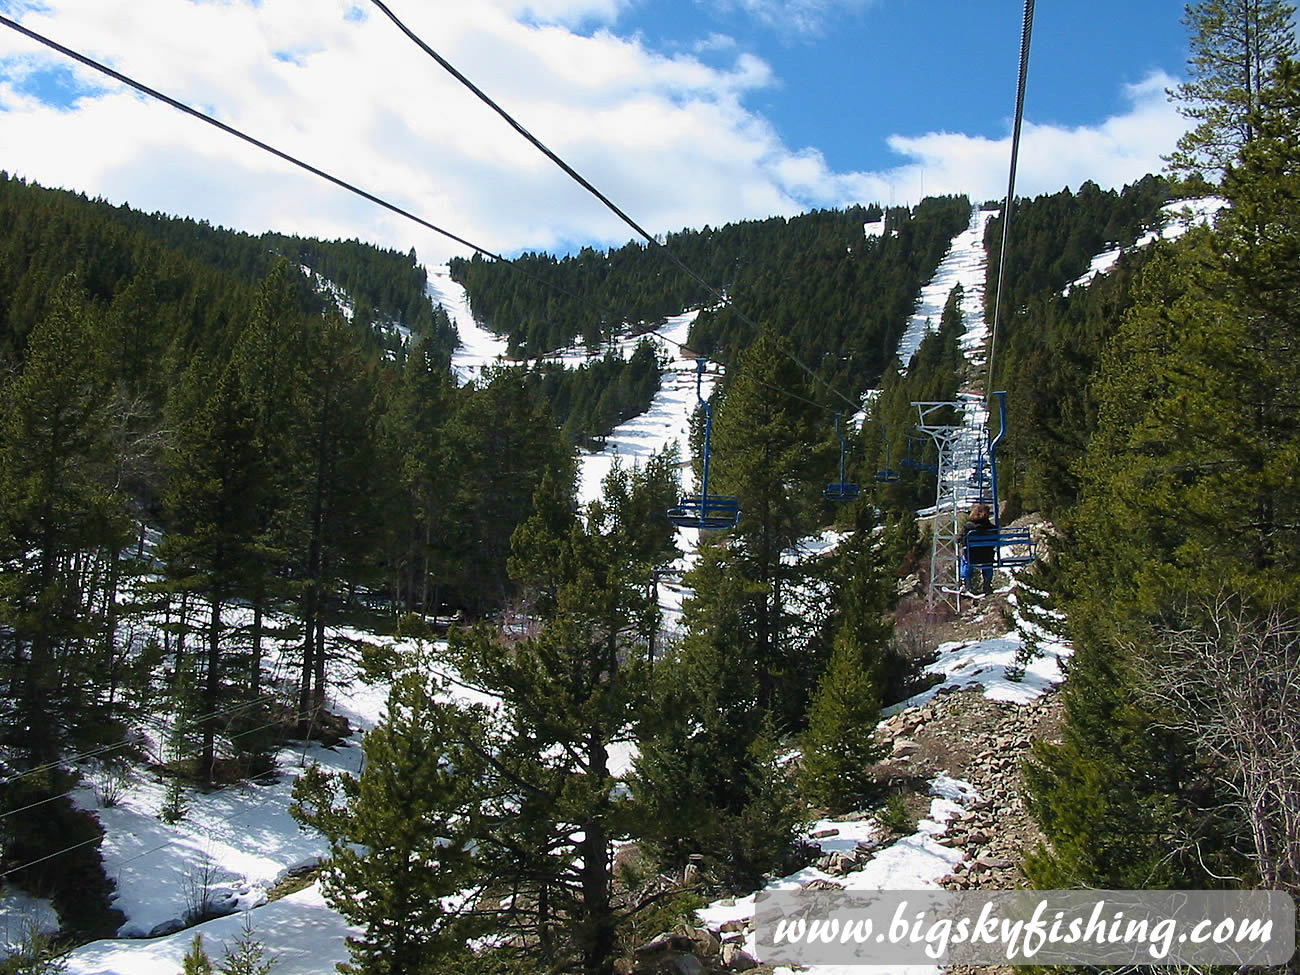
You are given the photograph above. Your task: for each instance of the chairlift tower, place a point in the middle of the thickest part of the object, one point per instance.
(956, 446)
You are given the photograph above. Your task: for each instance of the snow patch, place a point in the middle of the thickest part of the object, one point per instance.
(915, 862)
(1175, 220)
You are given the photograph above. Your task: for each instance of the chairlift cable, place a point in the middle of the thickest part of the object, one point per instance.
(1026, 31)
(587, 185)
(231, 130)
(337, 181)
(373, 198)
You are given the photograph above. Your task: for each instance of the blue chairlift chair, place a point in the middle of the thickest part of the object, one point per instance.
(841, 490)
(1012, 546)
(704, 511)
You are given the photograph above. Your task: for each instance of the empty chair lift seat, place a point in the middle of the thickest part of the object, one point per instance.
(712, 512)
(842, 491)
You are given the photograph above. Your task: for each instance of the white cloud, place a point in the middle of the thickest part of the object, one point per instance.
(571, 12)
(806, 17)
(715, 43)
(1117, 151)
(669, 138)
(664, 136)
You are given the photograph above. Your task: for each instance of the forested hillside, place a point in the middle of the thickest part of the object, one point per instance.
(1050, 342)
(839, 298)
(1177, 570)
(197, 272)
(164, 381)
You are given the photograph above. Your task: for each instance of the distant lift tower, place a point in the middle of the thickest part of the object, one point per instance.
(956, 444)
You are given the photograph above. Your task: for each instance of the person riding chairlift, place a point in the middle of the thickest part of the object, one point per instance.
(979, 529)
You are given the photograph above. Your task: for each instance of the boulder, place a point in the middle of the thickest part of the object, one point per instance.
(170, 926)
(905, 746)
(737, 959)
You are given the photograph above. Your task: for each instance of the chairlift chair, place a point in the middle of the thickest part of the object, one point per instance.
(841, 490)
(712, 512)
(704, 511)
(1012, 547)
(886, 475)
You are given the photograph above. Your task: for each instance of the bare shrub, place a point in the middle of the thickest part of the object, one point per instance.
(196, 886)
(109, 781)
(1233, 679)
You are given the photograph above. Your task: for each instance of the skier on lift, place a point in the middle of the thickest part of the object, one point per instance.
(978, 542)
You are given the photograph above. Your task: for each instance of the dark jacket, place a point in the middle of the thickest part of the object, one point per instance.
(979, 530)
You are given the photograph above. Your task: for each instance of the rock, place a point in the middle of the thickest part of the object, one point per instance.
(977, 836)
(663, 944)
(706, 942)
(993, 863)
(823, 833)
(905, 746)
(170, 926)
(737, 924)
(841, 863)
(820, 883)
(737, 959)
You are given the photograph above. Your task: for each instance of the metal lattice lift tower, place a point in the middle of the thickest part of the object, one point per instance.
(958, 447)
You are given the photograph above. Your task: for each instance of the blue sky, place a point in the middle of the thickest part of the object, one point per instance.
(685, 112)
(911, 66)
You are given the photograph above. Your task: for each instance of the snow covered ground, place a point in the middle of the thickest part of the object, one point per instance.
(301, 932)
(242, 836)
(666, 422)
(963, 264)
(479, 348)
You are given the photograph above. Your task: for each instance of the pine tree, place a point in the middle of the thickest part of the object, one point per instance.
(706, 772)
(248, 957)
(1236, 44)
(339, 475)
(761, 454)
(413, 429)
(839, 746)
(516, 796)
(196, 961)
(270, 357)
(60, 518)
(1187, 499)
(218, 480)
(572, 693)
(499, 442)
(399, 835)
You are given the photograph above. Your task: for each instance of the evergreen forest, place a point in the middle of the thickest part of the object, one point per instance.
(238, 471)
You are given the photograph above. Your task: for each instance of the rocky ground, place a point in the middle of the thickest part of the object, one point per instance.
(959, 733)
(983, 742)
